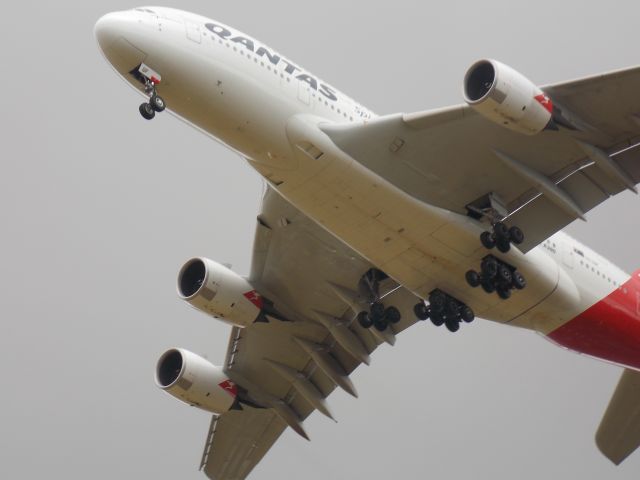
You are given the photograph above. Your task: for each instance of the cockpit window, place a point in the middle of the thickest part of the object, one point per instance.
(145, 10)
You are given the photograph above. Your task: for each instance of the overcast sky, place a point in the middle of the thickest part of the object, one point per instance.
(99, 208)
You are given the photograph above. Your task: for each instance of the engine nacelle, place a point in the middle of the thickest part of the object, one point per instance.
(195, 381)
(507, 97)
(220, 292)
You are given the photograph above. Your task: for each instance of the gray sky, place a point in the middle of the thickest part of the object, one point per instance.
(99, 209)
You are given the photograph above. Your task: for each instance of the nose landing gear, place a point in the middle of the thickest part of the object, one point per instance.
(156, 102)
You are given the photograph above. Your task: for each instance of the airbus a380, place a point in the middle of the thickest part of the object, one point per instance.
(370, 223)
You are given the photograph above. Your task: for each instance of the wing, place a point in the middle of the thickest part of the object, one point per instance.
(237, 441)
(455, 159)
(619, 432)
(312, 279)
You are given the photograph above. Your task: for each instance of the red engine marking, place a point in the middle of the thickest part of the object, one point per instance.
(610, 329)
(545, 102)
(229, 387)
(255, 298)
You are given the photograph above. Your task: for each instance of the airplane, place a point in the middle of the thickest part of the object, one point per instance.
(371, 223)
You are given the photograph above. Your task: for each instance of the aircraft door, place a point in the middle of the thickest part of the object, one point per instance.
(568, 255)
(193, 31)
(304, 92)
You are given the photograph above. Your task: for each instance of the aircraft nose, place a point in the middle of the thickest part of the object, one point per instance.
(116, 33)
(110, 28)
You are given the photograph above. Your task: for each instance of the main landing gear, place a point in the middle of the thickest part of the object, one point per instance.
(496, 276)
(443, 309)
(502, 237)
(155, 104)
(378, 316)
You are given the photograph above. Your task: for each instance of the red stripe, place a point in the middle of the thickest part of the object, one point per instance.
(545, 102)
(610, 329)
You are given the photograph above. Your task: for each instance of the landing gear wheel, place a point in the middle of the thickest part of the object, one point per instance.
(437, 300)
(489, 267)
(364, 320)
(487, 240)
(473, 278)
(453, 325)
(380, 324)
(503, 245)
(392, 315)
(147, 111)
(501, 231)
(515, 235)
(467, 314)
(504, 293)
(377, 311)
(421, 311)
(157, 103)
(487, 285)
(504, 274)
(437, 319)
(518, 280)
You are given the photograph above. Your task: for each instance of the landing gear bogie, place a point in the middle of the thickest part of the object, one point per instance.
(445, 310)
(496, 276)
(378, 316)
(501, 237)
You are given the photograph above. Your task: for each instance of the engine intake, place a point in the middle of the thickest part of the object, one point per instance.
(219, 292)
(195, 381)
(506, 97)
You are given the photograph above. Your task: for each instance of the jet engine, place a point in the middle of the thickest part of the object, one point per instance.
(220, 292)
(193, 380)
(506, 97)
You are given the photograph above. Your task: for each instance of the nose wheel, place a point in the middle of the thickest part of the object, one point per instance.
(155, 104)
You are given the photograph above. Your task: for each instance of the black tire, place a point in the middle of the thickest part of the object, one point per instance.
(421, 311)
(380, 324)
(437, 319)
(377, 311)
(473, 278)
(392, 315)
(519, 281)
(452, 308)
(487, 240)
(504, 274)
(503, 246)
(437, 301)
(504, 293)
(147, 111)
(489, 267)
(453, 325)
(467, 314)
(364, 320)
(157, 103)
(487, 285)
(501, 231)
(516, 235)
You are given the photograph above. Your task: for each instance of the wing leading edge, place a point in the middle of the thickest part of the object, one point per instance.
(454, 159)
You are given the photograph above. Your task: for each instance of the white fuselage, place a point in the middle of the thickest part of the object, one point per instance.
(260, 104)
